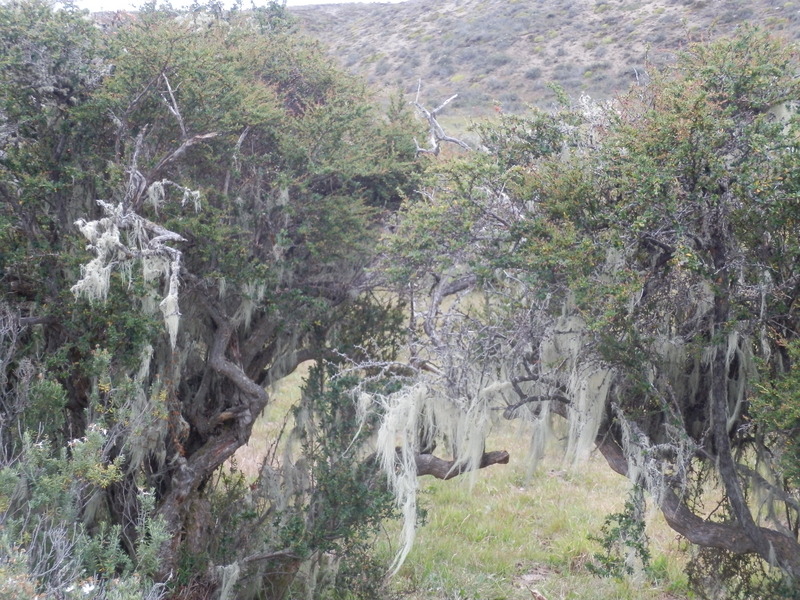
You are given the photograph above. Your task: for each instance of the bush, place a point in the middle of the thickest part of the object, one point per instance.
(533, 73)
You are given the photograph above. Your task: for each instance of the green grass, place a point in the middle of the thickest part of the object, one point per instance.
(510, 533)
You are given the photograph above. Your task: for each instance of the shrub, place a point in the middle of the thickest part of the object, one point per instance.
(533, 73)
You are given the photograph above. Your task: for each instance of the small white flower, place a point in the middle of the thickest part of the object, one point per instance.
(88, 588)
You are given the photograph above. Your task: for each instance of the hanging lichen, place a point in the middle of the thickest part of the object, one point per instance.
(147, 242)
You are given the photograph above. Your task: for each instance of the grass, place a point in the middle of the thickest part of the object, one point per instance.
(284, 394)
(512, 532)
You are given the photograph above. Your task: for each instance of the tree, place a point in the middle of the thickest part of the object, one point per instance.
(631, 267)
(230, 184)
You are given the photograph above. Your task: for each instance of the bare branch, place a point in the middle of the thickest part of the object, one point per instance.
(172, 105)
(137, 182)
(235, 158)
(436, 132)
(178, 152)
(428, 464)
(459, 285)
(30, 321)
(420, 364)
(509, 412)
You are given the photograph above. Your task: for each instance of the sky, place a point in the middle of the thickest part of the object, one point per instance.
(102, 5)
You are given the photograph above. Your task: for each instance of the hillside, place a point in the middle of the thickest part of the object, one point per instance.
(505, 52)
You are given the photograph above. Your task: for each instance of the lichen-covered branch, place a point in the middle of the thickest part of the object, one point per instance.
(726, 536)
(148, 243)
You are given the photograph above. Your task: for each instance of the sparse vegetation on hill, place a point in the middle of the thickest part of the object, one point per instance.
(505, 53)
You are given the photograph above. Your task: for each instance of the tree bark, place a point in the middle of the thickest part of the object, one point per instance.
(428, 464)
(192, 471)
(725, 536)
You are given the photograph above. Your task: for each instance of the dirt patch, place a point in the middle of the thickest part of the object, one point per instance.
(533, 575)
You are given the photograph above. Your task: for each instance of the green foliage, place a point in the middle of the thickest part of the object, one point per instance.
(46, 500)
(749, 72)
(237, 164)
(45, 411)
(519, 141)
(317, 538)
(349, 499)
(776, 409)
(274, 171)
(53, 55)
(104, 554)
(229, 503)
(624, 541)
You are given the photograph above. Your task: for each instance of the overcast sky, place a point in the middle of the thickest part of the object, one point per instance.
(101, 5)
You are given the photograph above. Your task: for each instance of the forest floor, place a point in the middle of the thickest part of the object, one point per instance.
(513, 532)
(519, 534)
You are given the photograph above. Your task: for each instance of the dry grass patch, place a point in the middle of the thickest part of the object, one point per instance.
(433, 41)
(276, 416)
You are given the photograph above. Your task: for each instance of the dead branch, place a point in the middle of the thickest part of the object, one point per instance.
(172, 106)
(235, 162)
(459, 285)
(510, 412)
(178, 152)
(137, 182)
(428, 464)
(436, 133)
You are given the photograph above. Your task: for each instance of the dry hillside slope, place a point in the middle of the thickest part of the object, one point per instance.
(506, 52)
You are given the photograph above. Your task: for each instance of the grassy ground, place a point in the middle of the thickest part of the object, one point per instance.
(513, 532)
(284, 394)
